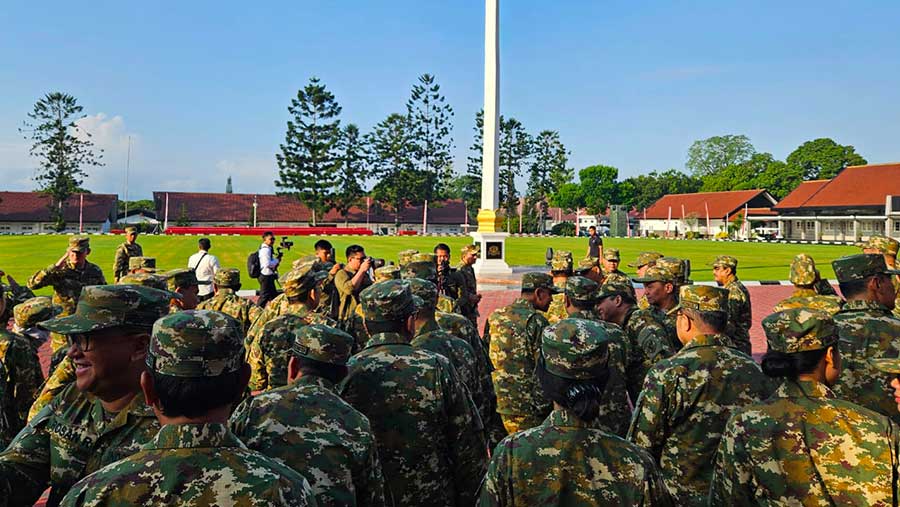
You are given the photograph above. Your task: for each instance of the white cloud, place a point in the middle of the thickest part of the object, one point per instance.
(110, 135)
(249, 174)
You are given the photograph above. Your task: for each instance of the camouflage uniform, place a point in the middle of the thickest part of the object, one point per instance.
(227, 281)
(515, 337)
(803, 445)
(888, 247)
(6, 431)
(426, 270)
(560, 267)
(141, 264)
(268, 354)
(200, 464)
(804, 276)
(565, 461)
(739, 312)
(13, 295)
(663, 272)
(73, 435)
(296, 284)
(468, 286)
(23, 378)
(428, 432)
(124, 252)
(644, 259)
(687, 398)
(308, 427)
(867, 330)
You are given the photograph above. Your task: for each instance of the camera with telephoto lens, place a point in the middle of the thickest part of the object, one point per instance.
(376, 262)
(285, 245)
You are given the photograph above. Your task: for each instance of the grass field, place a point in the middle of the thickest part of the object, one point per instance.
(21, 256)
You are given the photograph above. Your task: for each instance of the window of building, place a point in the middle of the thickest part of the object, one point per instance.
(798, 224)
(27, 227)
(810, 226)
(867, 226)
(896, 226)
(829, 226)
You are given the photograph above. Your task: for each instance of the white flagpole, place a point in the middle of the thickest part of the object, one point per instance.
(706, 205)
(669, 219)
(425, 217)
(81, 214)
(166, 218)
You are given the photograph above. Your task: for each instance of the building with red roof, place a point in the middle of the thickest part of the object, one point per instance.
(29, 213)
(706, 213)
(859, 202)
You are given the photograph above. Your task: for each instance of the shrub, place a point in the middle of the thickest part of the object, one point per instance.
(563, 229)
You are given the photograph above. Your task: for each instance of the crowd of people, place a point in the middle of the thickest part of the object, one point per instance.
(361, 384)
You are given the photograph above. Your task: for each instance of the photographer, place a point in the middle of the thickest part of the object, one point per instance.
(351, 280)
(268, 263)
(447, 284)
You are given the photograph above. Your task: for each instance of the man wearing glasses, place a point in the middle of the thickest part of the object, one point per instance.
(101, 417)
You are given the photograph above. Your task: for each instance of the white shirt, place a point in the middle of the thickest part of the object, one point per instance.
(205, 268)
(268, 264)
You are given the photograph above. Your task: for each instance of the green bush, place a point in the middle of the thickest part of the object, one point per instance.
(692, 235)
(563, 229)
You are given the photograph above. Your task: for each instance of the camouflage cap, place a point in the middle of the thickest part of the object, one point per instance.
(130, 229)
(34, 311)
(183, 277)
(227, 278)
(580, 288)
(145, 279)
(645, 258)
(106, 306)
(799, 329)
(611, 254)
(423, 257)
(585, 265)
(389, 272)
(301, 279)
(562, 261)
(321, 343)
(884, 244)
(472, 249)
(302, 261)
(615, 285)
(803, 270)
(387, 301)
(657, 273)
(79, 243)
(725, 261)
(404, 257)
(425, 290)
(704, 298)
(139, 262)
(575, 349)
(537, 280)
(196, 344)
(420, 269)
(860, 266)
(675, 266)
(886, 365)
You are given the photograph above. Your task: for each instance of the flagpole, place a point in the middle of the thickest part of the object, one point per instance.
(706, 205)
(81, 214)
(166, 217)
(668, 219)
(425, 217)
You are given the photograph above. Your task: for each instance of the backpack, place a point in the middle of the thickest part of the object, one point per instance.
(254, 270)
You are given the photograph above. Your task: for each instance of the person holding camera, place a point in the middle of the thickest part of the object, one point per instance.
(268, 263)
(351, 280)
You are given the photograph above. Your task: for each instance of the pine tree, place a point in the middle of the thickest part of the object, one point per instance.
(353, 171)
(391, 162)
(429, 122)
(547, 173)
(309, 161)
(473, 163)
(515, 150)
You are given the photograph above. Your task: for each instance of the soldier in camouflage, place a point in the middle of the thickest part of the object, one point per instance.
(404, 257)
(385, 273)
(644, 261)
(740, 315)
(126, 251)
(891, 366)
(101, 417)
(195, 372)
(647, 338)
(514, 338)
(887, 247)
(867, 330)
(183, 281)
(803, 445)
(31, 312)
(6, 431)
(588, 268)
(567, 460)
(661, 290)
(140, 264)
(22, 369)
(426, 270)
(226, 283)
(468, 286)
(430, 438)
(146, 280)
(560, 270)
(13, 294)
(308, 427)
(805, 278)
(610, 261)
(686, 400)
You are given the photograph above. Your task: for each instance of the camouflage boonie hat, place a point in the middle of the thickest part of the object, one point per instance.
(726, 261)
(196, 344)
(803, 270)
(580, 288)
(575, 349)
(322, 343)
(585, 265)
(562, 261)
(615, 285)
(884, 244)
(227, 278)
(857, 267)
(472, 249)
(886, 365)
(389, 272)
(536, 280)
(799, 329)
(137, 262)
(645, 258)
(183, 277)
(302, 278)
(34, 311)
(611, 254)
(420, 269)
(675, 266)
(425, 290)
(424, 257)
(145, 279)
(657, 273)
(106, 306)
(302, 261)
(404, 257)
(79, 243)
(130, 228)
(387, 301)
(704, 298)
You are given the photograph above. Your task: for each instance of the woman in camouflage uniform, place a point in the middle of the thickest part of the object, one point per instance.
(803, 446)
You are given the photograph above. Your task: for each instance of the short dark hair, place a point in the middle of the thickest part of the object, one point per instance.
(582, 305)
(354, 249)
(379, 326)
(627, 298)
(194, 397)
(715, 320)
(592, 227)
(780, 364)
(854, 288)
(204, 243)
(332, 372)
(441, 246)
(323, 244)
(268, 234)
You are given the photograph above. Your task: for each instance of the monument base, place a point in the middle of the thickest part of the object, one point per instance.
(492, 260)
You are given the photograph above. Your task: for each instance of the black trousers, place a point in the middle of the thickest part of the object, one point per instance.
(267, 290)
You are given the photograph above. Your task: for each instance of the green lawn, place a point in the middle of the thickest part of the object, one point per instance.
(23, 255)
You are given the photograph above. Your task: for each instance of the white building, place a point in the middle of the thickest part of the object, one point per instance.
(706, 213)
(28, 213)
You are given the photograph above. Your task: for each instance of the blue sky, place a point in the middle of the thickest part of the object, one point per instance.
(203, 87)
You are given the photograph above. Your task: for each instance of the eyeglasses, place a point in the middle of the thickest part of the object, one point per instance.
(82, 341)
